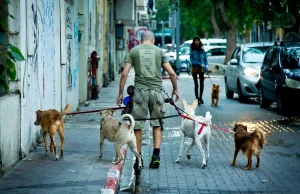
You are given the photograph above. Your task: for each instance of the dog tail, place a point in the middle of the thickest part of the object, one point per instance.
(207, 119)
(131, 119)
(67, 108)
(262, 137)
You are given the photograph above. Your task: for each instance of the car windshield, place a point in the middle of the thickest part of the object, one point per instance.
(184, 50)
(290, 58)
(254, 54)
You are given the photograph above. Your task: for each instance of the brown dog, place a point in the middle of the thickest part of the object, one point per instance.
(249, 143)
(50, 122)
(215, 94)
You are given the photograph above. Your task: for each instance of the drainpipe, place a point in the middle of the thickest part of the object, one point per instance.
(111, 41)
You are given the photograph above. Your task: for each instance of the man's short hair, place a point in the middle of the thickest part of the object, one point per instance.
(147, 35)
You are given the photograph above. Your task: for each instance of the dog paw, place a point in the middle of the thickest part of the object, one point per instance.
(203, 166)
(232, 164)
(56, 159)
(176, 161)
(248, 168)
(257, 166)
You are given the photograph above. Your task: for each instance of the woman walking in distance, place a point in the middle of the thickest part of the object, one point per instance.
(199, 65)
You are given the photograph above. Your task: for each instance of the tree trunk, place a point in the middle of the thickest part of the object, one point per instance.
(231, 32)
(213, 20)
(231, 42)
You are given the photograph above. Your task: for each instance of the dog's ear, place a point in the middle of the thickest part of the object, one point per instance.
(112, 111)
(184, 104)
(245, 126)
(195, 104)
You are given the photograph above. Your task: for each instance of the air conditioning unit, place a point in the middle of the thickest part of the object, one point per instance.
(141, 3)
(144, 16)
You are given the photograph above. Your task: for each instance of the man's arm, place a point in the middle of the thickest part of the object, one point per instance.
(173, 79)
(123, 79)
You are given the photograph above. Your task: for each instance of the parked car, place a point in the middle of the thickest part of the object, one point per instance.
(242, 70)
(280, 78)
(208, 42)
(215, 54)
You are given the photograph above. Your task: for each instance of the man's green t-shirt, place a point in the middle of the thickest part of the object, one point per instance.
(147, 60)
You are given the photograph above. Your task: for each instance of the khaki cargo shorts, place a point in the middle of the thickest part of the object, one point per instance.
(148, 100)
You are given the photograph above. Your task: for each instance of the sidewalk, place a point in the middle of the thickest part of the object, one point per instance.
(81, 171)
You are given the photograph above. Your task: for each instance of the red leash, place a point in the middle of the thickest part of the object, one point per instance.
(90, 111)
(202, 124)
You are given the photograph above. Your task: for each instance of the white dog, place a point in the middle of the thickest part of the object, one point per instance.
(119, 132)
(191, 129)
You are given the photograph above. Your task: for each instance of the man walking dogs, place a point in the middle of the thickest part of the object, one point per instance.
(147, 60)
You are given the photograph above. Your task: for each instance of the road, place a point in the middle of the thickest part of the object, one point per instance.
(279, 171)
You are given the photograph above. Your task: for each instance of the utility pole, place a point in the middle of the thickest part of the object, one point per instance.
(163, 33)
(177, 37)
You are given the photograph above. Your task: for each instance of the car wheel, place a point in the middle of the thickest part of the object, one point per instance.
(229, 94)
(263, 102)
(281, 104)
(242, 98)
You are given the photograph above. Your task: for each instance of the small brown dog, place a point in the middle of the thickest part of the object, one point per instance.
(50, 122)
(215, 94)
(119, 132)
(249, 143)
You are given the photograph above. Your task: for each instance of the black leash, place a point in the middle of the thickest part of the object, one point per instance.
(209, 77)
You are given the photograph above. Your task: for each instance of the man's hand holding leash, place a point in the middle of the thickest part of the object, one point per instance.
(175, 92)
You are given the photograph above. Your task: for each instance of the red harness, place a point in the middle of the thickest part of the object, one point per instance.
(186, 117)
(202, 124)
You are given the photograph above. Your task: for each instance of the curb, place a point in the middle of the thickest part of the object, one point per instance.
(111, 183)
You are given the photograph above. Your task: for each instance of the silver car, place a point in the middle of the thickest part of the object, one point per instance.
(243, 68)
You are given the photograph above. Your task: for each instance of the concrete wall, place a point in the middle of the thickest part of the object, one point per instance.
(54, 72)
(9, 130)
(43, 81)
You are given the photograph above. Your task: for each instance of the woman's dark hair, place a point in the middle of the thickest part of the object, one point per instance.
(194, 46)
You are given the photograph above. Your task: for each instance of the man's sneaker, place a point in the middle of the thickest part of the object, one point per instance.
(155, 162)
(136, 164)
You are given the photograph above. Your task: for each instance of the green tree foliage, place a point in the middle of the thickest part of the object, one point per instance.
(9, 54)
(233, 16)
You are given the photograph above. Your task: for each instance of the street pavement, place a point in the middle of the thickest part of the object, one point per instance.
(81, 171)
(279, 170)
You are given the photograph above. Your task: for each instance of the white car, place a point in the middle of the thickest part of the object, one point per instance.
(242, 72)
(215, 54)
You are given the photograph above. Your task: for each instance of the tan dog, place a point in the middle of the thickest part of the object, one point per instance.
(50, 122)
(215, 94)
(119, 132)
(249, 143)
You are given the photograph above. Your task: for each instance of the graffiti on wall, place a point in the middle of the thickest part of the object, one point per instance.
(35, 37)
(76, 52)
(69, 43)
(134, 37)
(47, 51)
(68, 18)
